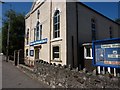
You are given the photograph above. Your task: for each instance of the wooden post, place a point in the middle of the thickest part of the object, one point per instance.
(115, 72)
(109, 70)
(98, 69)
(103, 70)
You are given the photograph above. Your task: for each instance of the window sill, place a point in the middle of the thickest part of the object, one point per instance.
(56, 60)
(27, 45)
(88, 58)
(56, 39)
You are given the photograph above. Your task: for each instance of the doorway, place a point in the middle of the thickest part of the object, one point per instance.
(37, 53)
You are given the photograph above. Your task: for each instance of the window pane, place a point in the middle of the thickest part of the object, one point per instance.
(34, 33)
(56, 52)
(56, 12)
(56, 49)
(93, 25)
(55, 19)
(27, 52)
(58, 33)
(38, 13)
(55, 36)
(56, 55)
(58, 18)
(92, 20)
(40, 32)
(88, 52)
(55, 27)
(58, 26)
(93, 35)
(111, 33)
(37, 33)
(31, 52)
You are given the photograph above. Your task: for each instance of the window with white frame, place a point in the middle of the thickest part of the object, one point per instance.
(38, 32)
(26, 52)
(56, 24)
(56, 53)
(34, 34)
(38, 13)
(88, 52)
(27, 37)
(31, 52)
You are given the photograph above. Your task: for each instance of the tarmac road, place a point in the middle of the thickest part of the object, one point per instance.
(12, 77)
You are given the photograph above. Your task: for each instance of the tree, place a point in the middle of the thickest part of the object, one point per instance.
(118, 20)
(16, 33)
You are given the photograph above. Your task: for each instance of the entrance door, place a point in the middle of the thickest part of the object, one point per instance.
(36, 53)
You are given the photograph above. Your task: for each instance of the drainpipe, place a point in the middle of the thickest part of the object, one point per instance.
(50, 30)
(77, 34)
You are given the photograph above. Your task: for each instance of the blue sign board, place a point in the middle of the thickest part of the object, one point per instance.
(38, 42)
(107, 53)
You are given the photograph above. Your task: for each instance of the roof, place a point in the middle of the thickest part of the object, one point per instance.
(97, 12)
(82, 5)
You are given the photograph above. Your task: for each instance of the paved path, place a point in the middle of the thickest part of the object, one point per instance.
(15, 78)
(0, 71)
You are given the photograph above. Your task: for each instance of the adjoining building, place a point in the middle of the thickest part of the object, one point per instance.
(62, 32)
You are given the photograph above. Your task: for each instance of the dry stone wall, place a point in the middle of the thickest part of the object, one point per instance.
(58, 76)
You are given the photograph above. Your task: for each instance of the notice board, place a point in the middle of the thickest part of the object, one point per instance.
(106, 53)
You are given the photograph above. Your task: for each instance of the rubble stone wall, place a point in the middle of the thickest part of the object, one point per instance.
(58, 76)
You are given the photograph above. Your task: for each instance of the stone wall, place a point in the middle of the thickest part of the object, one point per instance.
(58, 76)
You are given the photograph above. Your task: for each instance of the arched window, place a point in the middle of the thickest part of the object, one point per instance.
(38, 13)
(93, 29)
(34, 34)
(38, 31)
(56, 24)
(27, 36)
(110, 31)
(26, 52)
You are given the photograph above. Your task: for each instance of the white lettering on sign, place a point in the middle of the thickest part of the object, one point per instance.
(39, 42)
(111, 45)
(113, 55)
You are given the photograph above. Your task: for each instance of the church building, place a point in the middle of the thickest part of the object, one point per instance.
(62, 33)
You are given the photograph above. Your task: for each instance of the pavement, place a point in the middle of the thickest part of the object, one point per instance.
(12, 77)
(0, 71)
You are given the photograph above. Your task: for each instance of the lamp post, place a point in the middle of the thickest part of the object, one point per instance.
(7, 47)
(7, 58)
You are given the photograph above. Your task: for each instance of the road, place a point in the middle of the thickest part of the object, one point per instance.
(12, 77)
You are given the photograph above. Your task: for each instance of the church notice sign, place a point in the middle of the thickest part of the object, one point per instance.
(106, 53)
